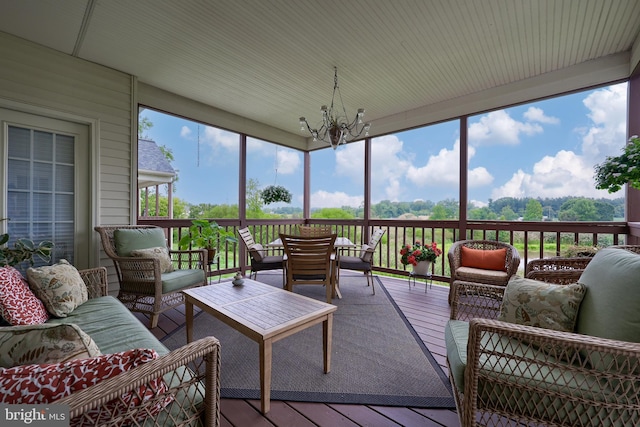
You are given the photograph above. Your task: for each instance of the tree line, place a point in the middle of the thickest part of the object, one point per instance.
(503, 209)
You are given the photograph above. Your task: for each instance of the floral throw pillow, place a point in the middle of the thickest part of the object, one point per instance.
(47, 343)
(40, 384)
(18, 304)
(545, 305)
(160, 253)
(59, 287)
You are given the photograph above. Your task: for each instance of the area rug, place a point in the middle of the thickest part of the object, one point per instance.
(377, 358)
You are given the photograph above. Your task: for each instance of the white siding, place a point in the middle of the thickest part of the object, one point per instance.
(44, 81)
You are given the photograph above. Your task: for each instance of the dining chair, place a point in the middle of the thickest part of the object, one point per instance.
(308, 261)
(363, 261)
(314, 230)
(260, 260)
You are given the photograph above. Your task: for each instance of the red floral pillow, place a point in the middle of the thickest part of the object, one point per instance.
(18, 304)
(39, 384)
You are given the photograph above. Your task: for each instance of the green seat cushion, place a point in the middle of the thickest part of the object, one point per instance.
(130, 239)
(112, 326)
(456, 336)
(181, 279)
(611, 305)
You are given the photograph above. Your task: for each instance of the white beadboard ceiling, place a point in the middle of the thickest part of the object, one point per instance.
(407, 62)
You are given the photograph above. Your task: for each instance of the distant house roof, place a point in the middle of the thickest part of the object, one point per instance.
(153, 166)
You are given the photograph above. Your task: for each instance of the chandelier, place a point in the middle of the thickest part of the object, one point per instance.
(336, 128)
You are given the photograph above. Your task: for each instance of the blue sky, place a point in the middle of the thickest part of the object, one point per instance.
(542, 149)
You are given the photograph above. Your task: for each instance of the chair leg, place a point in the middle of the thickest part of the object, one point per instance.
(370, 279)
(154, 320)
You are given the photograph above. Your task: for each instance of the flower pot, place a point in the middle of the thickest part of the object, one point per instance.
(211, 255)
(422, 269)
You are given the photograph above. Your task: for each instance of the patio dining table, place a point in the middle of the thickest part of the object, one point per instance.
(340, 244)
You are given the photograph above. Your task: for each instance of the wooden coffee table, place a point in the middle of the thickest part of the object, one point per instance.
(265, 314)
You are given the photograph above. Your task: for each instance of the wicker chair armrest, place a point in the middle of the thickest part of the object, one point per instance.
(472, 300)
(193, 258)
(530, 361)
(96, 281)
(559, 270)
(201, 358)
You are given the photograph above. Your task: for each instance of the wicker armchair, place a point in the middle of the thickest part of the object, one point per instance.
(143, 286)
(505, 374)
(463, 273)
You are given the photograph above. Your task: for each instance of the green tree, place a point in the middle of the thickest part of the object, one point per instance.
(332, 213)
(481, 213)
(578, 210)
(254, 199)
(180, 207)
(144, 124)
(507, 214)
(438, 212)
(533, 212)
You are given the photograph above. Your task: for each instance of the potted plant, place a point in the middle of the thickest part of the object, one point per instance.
(275, 193)
(23, 250)
(207, 235)
(420, 256)
(615, 172)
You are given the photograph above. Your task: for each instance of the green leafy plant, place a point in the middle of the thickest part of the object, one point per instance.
(579, 251)
(206, 234)
(275, 193)
(615, 172)
(23, 250)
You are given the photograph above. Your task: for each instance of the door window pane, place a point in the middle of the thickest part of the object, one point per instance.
(37, 209)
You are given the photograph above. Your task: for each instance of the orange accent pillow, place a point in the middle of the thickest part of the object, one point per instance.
(493, 259)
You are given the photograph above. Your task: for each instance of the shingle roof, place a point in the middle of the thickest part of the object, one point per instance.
(150, 158)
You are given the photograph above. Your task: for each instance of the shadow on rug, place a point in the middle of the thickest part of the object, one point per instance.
(378, 359)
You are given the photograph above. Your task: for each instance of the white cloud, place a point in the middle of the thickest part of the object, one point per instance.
(288, 161)
(554, 176)
(337, 199)
(478, 203)
(569, 173)
(535, 114)
(185, 132)
(389, 160)
(608, 111)
(498, 127)
(443, 170)
(217, 137)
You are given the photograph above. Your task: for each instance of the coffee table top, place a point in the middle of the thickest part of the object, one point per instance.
(258, 307)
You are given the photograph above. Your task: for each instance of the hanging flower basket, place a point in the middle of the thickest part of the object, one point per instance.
(615, 172)
(275, 193)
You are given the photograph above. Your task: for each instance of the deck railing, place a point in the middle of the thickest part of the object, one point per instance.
(532, 239)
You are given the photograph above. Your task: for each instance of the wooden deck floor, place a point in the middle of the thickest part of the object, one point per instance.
(427, 312)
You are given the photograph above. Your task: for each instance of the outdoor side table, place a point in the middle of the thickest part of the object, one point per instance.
(428, 279)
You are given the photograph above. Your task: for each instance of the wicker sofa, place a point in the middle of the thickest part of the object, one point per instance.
(190, 393)
(505, 373)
